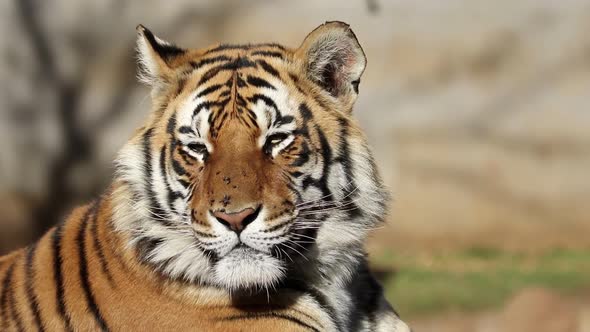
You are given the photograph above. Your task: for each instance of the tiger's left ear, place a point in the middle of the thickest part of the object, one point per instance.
(156, 58)
(333, 58)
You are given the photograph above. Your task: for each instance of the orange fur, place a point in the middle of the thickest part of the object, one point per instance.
(88, 274)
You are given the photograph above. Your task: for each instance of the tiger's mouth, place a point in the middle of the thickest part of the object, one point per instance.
(257, 246)
(245, 249)
(247, 268)
(257, 255)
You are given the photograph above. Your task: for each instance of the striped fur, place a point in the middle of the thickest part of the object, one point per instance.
(233, 127)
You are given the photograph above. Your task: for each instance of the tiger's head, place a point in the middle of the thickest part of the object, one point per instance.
(250, 169)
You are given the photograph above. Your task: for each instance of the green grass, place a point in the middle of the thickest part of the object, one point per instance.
(478, 278)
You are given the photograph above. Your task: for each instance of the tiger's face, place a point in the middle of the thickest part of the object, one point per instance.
(250, 169)
(241, 144)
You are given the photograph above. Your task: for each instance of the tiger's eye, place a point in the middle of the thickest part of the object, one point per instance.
(277, 138)
(197, 147)
(197, 150)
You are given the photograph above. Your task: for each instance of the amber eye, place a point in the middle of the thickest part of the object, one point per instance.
(276, 139)
(197, 147)
(276, 142)
(197, 150)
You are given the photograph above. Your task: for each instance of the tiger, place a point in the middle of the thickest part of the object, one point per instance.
(242, 204)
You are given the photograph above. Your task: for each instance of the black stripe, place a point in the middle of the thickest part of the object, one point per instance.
(256, 97)
(302, 156)
(271, 315)
(178, 169)
(166, 51)
(305, 112)
(83, 271)
(240, 81)
(171, 126)
(282, 120)
(188, 159)
(240, 100)
(209, 90)
(238, 63)
(148, 176)
(306, 117)
(268, 53)
(209, 104)
(309, 181)
(320, 298)
(172, 195)
(259, 82)
(186, 130)
(100, 251)
(224, 47)
(4, 314)
(365, 293)
(58, 276)
(347, 165)
(184, 183)
(145, 246)
(209, 74)
(208, 61)
(241, 62)
(326, 152)
(30, 288)
(252, 116)
(268, 68)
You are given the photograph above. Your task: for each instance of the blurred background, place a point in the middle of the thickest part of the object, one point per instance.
(477, 110)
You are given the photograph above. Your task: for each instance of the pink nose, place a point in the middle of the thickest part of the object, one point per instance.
(237, 220)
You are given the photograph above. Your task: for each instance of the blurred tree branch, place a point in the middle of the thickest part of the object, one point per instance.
(77, 144)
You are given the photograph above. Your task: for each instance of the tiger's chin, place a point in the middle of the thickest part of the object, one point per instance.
(244, 268)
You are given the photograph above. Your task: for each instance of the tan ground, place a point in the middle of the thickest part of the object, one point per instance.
(531, 310)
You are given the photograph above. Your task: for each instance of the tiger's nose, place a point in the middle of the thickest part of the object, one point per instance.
(237, 221)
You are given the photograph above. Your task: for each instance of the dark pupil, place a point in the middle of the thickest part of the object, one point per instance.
(198, 148)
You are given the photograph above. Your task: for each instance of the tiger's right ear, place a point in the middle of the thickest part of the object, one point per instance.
(333, 58)
(156, 58)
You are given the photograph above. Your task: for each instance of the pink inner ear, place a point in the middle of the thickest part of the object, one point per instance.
(350, 60)
(349, 55)
(339, 74)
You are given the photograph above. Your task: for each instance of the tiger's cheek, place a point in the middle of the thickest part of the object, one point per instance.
(190, 172)
(279, 196)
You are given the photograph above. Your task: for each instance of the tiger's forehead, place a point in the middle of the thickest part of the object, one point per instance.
(238, 88)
